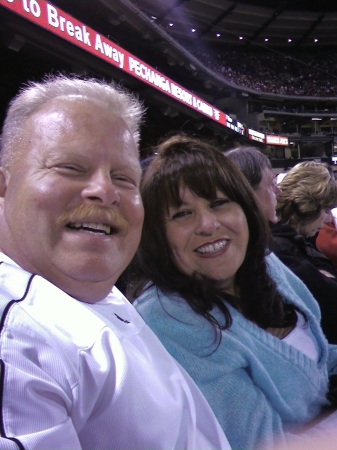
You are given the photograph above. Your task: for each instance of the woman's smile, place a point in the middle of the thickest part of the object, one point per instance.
(213, 249)
(208, 236)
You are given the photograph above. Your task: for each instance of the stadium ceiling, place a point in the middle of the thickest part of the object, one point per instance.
(142, 27)
(265, 23)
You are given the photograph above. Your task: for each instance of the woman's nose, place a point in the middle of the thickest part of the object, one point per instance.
(207, 223)
(328, 217)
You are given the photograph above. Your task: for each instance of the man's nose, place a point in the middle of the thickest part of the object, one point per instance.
(100, 188)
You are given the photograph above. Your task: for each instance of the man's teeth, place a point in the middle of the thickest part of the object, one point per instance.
(91, 227)
(212, 248)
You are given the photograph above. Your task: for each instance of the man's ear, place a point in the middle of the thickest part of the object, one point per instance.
(4, 178)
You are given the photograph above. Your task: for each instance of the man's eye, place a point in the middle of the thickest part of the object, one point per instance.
(125, 180)
(69, 168)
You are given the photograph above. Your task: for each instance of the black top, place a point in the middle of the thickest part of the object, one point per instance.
(306, 261)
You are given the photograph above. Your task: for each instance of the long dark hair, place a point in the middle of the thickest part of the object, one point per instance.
(183, 161)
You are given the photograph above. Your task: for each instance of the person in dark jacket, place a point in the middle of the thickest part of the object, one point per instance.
(303, 207)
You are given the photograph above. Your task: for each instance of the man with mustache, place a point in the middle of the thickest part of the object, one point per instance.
(79, 368)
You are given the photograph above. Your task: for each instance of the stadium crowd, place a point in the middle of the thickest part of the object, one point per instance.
(302, 74)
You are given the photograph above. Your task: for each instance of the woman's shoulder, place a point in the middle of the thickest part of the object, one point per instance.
(169, 314)
(181, 329)
(159, 307)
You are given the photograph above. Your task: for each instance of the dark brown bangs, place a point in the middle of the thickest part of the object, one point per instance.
(181, 162)
(195, 175)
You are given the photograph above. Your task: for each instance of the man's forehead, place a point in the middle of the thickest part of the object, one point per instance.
(67, 106)
(78, 123)
(76, 111)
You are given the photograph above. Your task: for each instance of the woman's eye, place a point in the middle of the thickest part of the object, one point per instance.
(180, 214)
(219, 202)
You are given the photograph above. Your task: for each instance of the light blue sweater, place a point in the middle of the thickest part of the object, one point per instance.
(259, 387)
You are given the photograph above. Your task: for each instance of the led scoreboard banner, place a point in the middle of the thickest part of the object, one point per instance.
(254, 135)
(235, 125)
(273, 139)
(268, 139)
(53, 19)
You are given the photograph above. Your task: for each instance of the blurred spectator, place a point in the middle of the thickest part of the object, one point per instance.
(308, 194)
(326, 240)
(257, 169)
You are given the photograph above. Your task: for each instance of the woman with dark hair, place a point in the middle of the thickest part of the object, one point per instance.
(242, 325)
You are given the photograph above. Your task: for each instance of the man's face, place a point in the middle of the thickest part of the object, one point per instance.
(266, 192)
(71, 210)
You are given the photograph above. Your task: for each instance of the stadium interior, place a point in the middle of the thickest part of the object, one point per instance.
(269, 65)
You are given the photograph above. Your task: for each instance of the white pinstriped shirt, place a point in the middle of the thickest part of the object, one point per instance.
(90, 376)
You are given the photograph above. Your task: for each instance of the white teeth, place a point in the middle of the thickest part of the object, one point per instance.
(87, 226)
(212, 248)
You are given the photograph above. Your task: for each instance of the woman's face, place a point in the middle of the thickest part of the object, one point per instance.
(310, 229)
(208, 237)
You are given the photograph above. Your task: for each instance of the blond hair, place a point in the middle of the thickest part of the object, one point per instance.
(306, 190)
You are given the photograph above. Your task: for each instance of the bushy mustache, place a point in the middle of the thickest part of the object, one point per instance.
(94, 213)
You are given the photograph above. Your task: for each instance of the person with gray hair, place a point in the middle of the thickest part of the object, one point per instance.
(301, 200)
(257, 169)
(79, 367)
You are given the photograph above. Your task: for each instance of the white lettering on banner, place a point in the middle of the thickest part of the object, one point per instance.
(10, 1)
(181, 94)
(70, 28)
(25, 6)
(255, 135)
(216, 114)
(33, 7)
(201, 106)
(149, 75)
(56, 21)
(256, 138)
(109, 51)
(276, 140)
